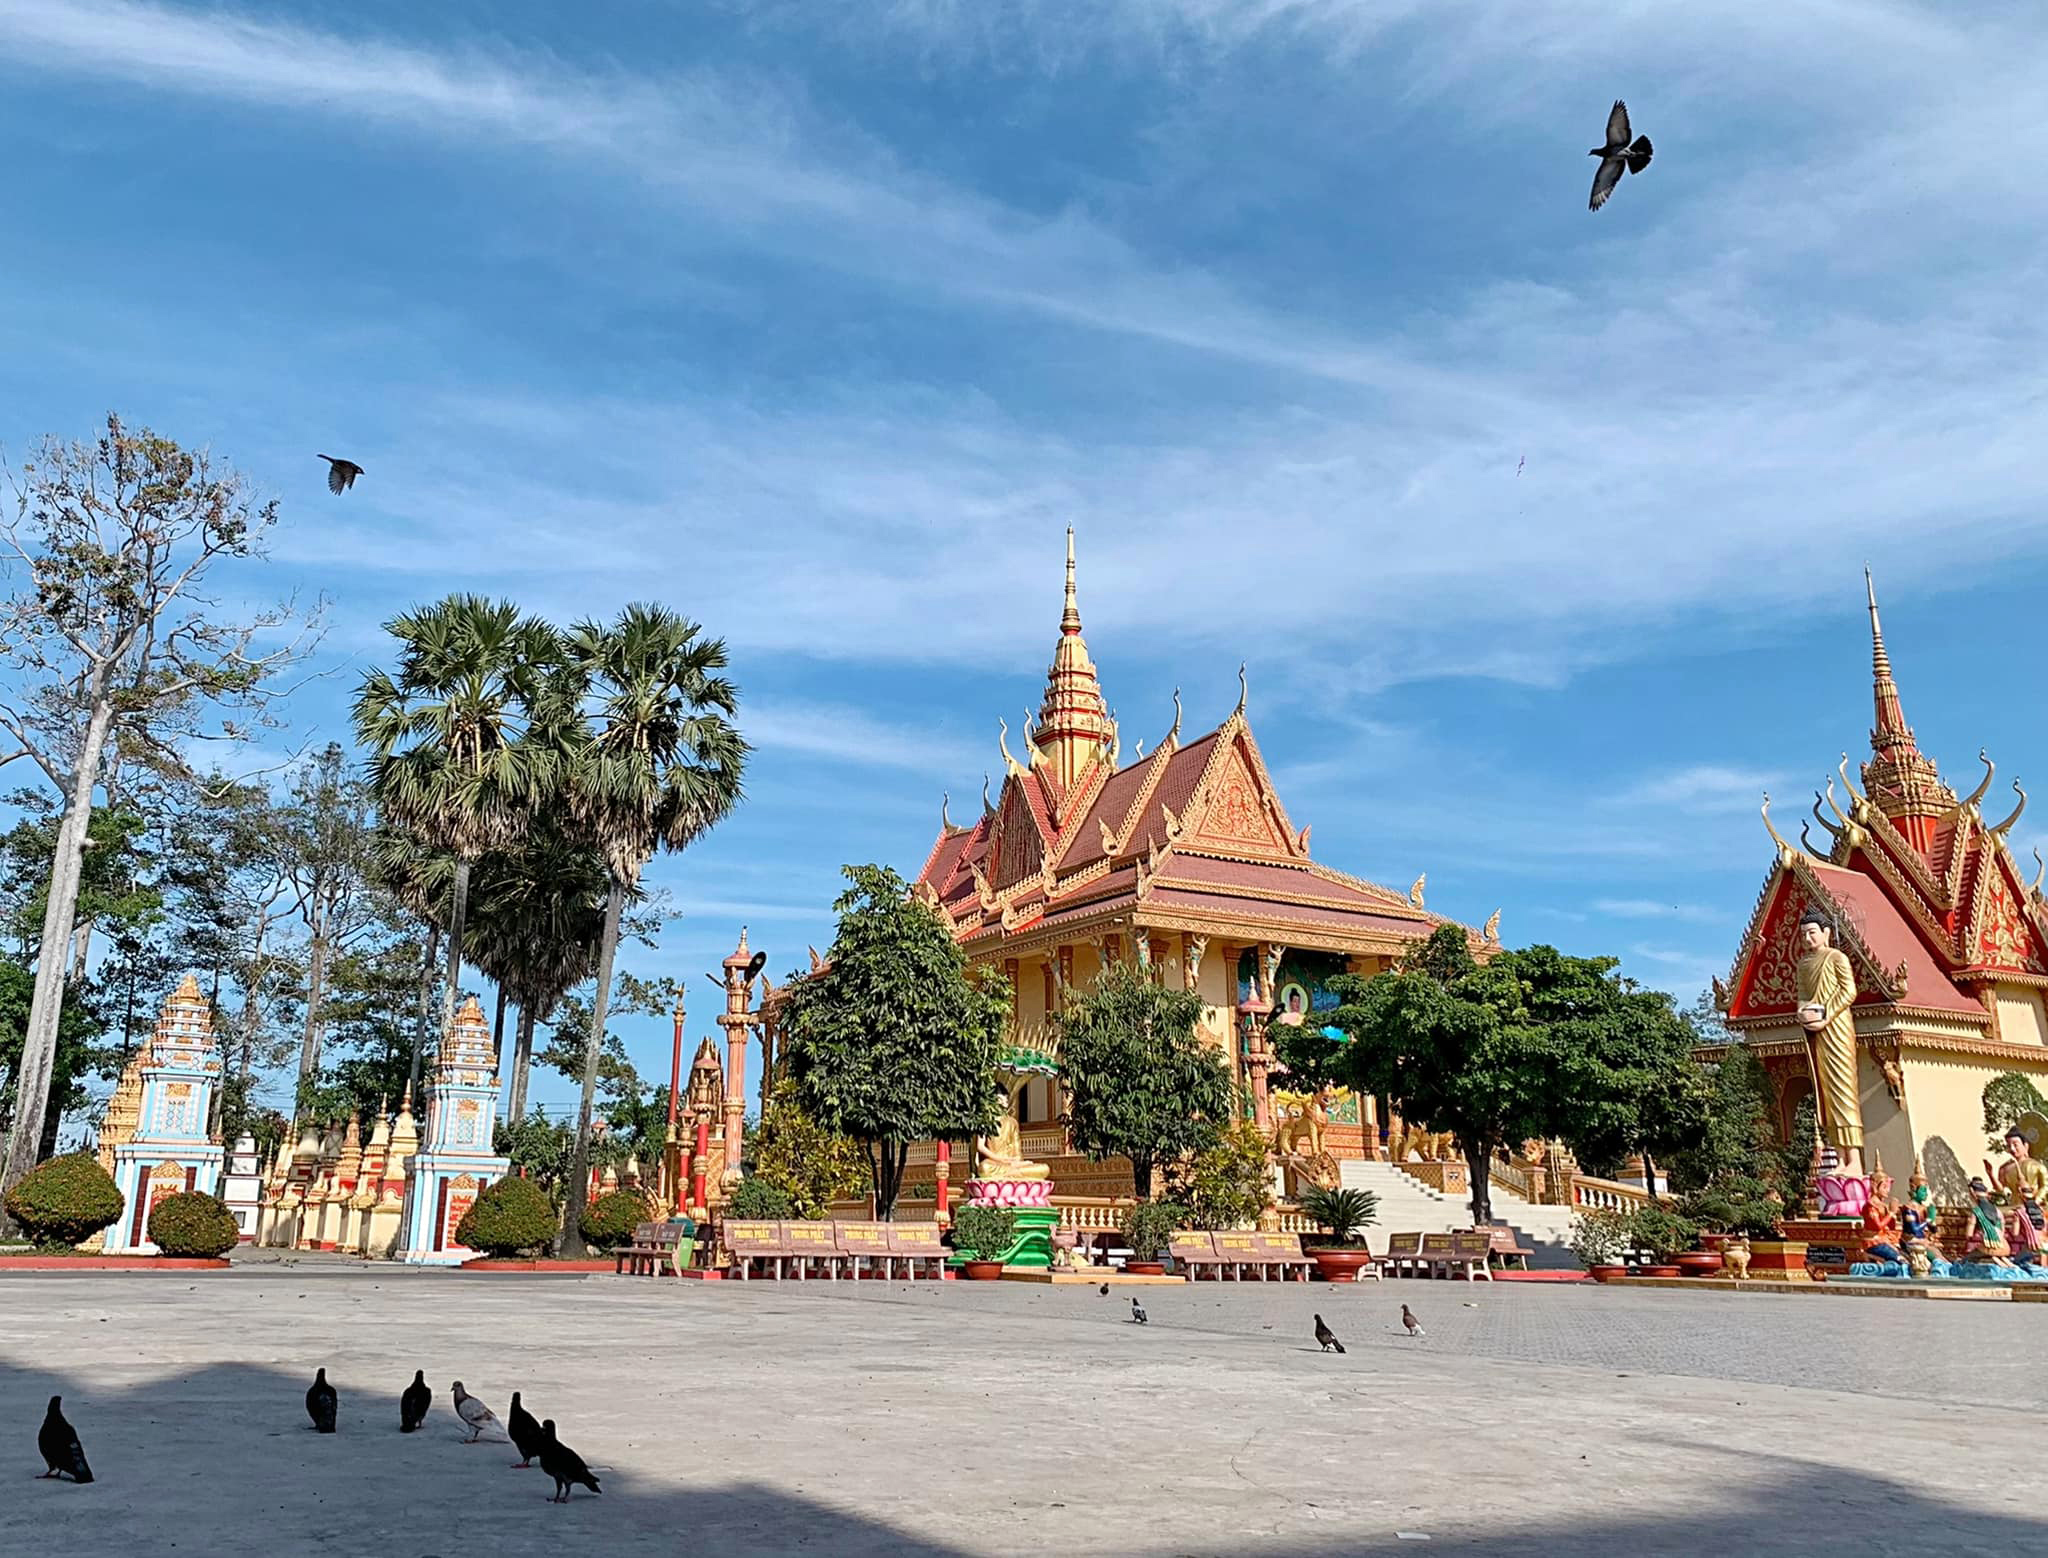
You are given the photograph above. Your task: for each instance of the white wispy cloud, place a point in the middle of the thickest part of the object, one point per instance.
(846, 734)
(1703, 787)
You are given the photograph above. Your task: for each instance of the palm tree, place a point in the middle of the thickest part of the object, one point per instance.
(465, 740)
(536, 924)
(661, 764)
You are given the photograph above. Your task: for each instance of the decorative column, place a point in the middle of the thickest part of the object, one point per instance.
(740, 969)
(671, 1188)
(1252, 1017)
(698, 1208)
(172, 1149)
(942, 1167)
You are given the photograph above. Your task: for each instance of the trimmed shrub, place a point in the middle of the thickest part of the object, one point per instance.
(192, 1226)
(65, 1201)
(1148, 1227)
(1663, 1232)
(986, 1231)
(509, 1218)
(754, 1199)
(609, 1221)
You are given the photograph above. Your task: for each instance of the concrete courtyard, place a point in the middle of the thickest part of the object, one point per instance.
(983, 1418)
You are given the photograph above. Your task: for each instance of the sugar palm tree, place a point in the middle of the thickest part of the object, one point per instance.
(661, 764)
(537, 920)
(463, 739)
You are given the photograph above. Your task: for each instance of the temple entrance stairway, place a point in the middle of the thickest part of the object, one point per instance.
(1409, 1206)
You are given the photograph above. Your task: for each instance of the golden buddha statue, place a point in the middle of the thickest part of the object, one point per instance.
(1827, 991)
(1001, 1156)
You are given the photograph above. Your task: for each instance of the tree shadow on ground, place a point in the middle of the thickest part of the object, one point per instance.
(221, 1459)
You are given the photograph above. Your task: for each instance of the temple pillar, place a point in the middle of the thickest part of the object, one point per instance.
(698, 1162)
(671, 1178)
(942, 1168)
(1257, 1058)
(735, 1020)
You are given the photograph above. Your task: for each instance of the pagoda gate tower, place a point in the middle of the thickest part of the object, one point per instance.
(455, 1161)
(172, 1149)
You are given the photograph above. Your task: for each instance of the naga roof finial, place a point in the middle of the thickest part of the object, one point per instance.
(1244, 691)
(986, 805)
(1010, 764)
(1785, 851)
(1173, 735)
(945, 820)
(2005, 827)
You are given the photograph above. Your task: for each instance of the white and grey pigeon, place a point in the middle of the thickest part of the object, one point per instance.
(475, 1413)
(1617, 156)
(1137, 1312)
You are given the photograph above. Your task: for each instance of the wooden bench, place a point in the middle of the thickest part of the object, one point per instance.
(757, 1243)
(655, 1246)
(865, 1245)
(816, 1244)
(1194, 1250)
(1469, 1250)
(1280, 1255)
(918, 1245)
(1505, 1247)
(1404, 1255)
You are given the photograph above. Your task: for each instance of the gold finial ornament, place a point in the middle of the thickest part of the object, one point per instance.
(1415, 889)
(1244, 692)
(1786, 852)
(1493, 928)
(945, 819)
(1010, 765)
(2005, 827)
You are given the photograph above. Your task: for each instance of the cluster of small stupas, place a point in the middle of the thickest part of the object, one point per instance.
(401, 1195)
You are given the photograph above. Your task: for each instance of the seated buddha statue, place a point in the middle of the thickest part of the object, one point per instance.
(1001, 1156)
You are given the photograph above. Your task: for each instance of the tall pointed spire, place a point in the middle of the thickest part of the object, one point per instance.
(1900, 781)
(1074, 730)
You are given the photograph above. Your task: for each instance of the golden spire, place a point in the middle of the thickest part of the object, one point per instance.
(1074, 730)
(1900, 781)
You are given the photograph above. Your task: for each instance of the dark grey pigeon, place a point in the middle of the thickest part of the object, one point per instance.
(1137, 1312)
(1618, 156)
(322, 1403)
(563, 1464)
(58, 1441)
(412, 1406)
(341, 474)
(1327, 1338)
(524, 1432)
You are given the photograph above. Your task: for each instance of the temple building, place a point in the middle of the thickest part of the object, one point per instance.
(1182, 858)
(1947, 942)
(159, 1138)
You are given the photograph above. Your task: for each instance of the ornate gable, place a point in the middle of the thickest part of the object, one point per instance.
(1019, 847)
(1238, 813)
(2001, 933)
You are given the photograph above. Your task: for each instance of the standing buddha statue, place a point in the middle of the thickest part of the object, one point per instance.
(1827, 992)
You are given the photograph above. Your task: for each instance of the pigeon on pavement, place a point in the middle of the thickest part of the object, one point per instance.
(58, 1441)
(1326, 1337)
(1408, 1319)
(412, 1406)
(1617, 156)
(1105, 1290)
(1137, 1311)
(341, 475)
(322, 1403)
(563, 1464)
(525, 1432)
(473, 1412)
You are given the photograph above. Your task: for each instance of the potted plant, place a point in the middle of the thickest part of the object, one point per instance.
(982, 1235)
(1599, 1236)
(1665, 1234)
(1340, 1251)
(1148, 1229)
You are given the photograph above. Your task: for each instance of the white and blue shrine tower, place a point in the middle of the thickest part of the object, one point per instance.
(173, 1149)
(455, 1161)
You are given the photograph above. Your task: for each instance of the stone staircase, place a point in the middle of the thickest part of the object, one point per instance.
(1409, 1206)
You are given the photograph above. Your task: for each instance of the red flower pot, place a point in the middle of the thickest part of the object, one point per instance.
(982, 1270)
(1340, 1265)
(1145, 1268)
(1607, 1273)
(1699, 1263)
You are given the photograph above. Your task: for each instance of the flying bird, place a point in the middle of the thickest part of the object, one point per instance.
(58, 1441)
(1617, 156)
(412, 1406)
(1408, 1319)
(563, 1464)
(473, 1412)
(1327, 1338)
(525, 1432)
(1137, 1311)
(322, 1403)
(341, 474)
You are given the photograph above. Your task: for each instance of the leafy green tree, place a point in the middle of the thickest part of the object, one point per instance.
(797, 1155)
(2007, 1096)
(896, 1040)
(1227, 1183)
(1735, 1139)
(540, 1149)
(462, 740)
(1138, 1079)
(115, 648)
(658, 766)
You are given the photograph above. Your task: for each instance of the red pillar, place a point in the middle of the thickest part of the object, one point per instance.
(945, 1168)
(672, 1144)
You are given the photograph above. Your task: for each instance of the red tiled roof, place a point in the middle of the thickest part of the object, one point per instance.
(1892, 939)
(1335, 916)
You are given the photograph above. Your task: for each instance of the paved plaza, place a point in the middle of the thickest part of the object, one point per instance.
(980, 1418)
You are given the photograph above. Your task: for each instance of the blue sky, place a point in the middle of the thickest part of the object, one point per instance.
(820, 321)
